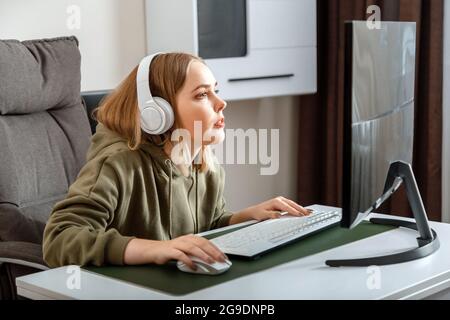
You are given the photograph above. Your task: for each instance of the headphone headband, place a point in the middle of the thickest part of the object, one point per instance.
(156, 113)
(142, 81)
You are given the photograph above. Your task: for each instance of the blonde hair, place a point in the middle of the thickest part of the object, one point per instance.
(119, 111)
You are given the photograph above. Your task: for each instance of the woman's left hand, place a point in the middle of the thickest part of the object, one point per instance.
(270, 209)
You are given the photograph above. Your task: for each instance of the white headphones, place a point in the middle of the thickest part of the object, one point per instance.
(156, 113)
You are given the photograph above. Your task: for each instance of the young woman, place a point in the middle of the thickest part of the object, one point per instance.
(131, 203)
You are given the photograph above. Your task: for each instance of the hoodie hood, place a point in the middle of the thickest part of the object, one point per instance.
(105, 140)
(102, 140)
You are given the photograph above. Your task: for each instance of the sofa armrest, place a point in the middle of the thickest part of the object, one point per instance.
(22, 253)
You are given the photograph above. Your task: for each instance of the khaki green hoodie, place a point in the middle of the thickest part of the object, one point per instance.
(120, 194)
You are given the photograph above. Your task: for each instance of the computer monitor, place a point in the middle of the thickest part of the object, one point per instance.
(379, 131)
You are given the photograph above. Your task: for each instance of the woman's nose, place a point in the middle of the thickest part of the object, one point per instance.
(220, 105)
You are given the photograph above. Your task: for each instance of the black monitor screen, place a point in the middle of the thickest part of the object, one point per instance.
(379, 111)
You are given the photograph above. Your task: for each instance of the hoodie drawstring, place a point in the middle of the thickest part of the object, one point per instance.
(170, 198)
(196, 200)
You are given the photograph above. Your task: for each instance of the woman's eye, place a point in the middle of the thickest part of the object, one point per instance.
(205, 94)
(202, 95)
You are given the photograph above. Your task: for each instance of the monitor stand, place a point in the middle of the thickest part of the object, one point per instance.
(428, 241)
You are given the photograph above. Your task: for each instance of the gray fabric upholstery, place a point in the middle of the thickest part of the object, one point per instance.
(38, 75)
(44, 132)
(23, 253)
(18, 224)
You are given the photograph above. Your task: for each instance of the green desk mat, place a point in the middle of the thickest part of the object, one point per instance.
(168, 279)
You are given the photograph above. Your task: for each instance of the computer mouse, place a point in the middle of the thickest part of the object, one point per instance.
(203, 267)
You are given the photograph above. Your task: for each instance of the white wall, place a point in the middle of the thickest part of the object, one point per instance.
(245, 186)
(111, 33)
(446, 106)
(112, 41)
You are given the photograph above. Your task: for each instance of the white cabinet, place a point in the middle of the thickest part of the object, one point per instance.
(255, 48)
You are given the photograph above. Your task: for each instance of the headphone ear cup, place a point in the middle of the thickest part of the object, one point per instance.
(157, 116)
(152, 118)
(168, 114)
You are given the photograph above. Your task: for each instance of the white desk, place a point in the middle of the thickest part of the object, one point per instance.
(302, 279)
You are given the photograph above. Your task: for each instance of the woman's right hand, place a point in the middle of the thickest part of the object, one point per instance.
(141, 251)
(189, 245)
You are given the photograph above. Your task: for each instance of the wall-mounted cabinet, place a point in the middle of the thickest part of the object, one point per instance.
(255, 48)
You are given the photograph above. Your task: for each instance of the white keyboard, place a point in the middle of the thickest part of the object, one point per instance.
(263, 236)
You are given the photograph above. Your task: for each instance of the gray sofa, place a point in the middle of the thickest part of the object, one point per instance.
(44, 136)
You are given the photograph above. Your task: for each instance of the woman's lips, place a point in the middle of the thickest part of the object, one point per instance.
(220, 124)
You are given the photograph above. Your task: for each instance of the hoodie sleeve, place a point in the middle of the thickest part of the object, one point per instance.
(221, 216)
(76, 230)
